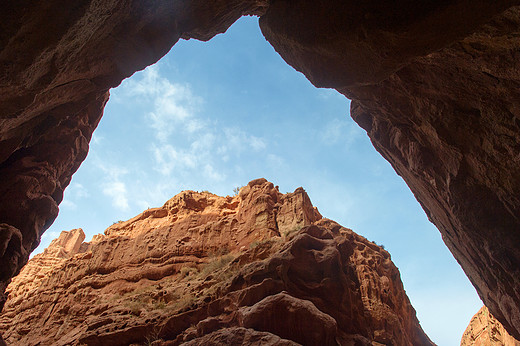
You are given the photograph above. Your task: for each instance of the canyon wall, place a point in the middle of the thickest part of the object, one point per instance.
(434, 83)
(485, 330)
(204, 269)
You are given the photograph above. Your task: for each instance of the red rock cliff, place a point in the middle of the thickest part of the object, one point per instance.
(485, 330)
(436, 86)
(204, 269)
(434, 83)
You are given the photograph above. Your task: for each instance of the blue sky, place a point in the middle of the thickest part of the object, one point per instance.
(215, 115)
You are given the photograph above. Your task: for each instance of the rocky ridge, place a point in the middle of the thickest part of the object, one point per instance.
(485, 330)
(259, 268)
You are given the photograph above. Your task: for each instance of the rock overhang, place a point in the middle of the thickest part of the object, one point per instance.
(433, 83)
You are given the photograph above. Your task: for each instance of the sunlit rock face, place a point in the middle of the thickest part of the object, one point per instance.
(203, 269)
(434, 83)
(485, 330)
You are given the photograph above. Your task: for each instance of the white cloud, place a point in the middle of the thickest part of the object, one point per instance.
(113, 186)
(212, 174)
(257, 143)
(175, 117)
(73, 193)
(196, 160)
(117, 191)
(187, 145)
(169, 159)
(97, 139)
(329, 94)
(205, 142)
(149, 85)
(77, 190)
(154, 195)
(237, 141)
(174, 105)
(194, 125)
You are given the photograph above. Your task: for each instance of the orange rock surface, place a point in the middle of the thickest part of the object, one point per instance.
(485, 330)
(259, 268)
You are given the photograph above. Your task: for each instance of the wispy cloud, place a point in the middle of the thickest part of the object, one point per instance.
(212, 173)
(72, 195)
(68, 204)
(236, 141)
(174, 105)
(113, 186)
(78, 190)
(117, 191)
(97, 139)
(201, 145)
(275, 160)
(169, 159)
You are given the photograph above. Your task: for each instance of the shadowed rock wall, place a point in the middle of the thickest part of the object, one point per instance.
(434, 83)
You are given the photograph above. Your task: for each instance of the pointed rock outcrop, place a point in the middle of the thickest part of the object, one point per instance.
(202, 269)
(485, 330)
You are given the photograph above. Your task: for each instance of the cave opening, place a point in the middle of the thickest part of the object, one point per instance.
(214, 115)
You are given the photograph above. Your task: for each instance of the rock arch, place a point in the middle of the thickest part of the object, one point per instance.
(435, 84)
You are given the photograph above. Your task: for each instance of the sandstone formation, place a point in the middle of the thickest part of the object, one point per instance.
(434, 83)
(57, 62)
(485, 330)
(258, 268)
(62, 248)
(438, 92)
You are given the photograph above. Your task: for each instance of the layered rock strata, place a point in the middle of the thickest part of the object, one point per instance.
(261, 267)
(485, 330)
(434, 83)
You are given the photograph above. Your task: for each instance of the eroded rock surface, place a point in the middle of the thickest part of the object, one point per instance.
(485, 330)
(438, 92)
(434, 83)
(58, 60)
(261, 267)
(239, 336)
(62, 248)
